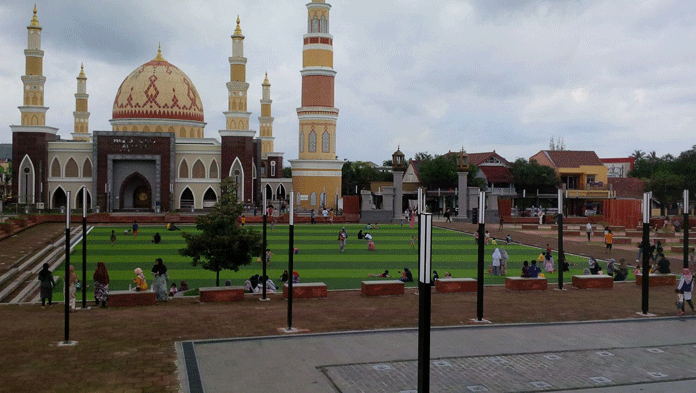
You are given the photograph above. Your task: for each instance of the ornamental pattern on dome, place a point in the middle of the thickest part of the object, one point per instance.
(158, 90)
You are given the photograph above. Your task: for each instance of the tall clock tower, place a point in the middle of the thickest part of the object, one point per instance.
(316, 175)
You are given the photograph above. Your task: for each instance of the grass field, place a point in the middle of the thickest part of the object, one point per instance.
(319, 257)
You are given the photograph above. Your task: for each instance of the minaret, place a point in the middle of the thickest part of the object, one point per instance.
(81, 131)
(30, 139)
(237, 139)
(266, 120)
(317, 173)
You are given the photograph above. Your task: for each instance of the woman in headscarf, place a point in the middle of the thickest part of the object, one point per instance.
(549, 263)
(686, 285)
(503, 261)
(72, 280)
(101, 284)
(139, 280)
(496, 262)
(160, 282)
(47, 284)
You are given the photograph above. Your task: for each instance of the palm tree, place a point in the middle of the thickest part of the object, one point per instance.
(638, 154)
(652, 156)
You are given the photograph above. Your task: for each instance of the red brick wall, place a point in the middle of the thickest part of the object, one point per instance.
(242, 147)
(35, 144)
(622, 212)
(318, 90)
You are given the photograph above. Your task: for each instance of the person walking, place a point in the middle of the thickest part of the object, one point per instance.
(101, 284)
(113, 237)
(47, 284)
(685, 286)
(588, 228)
(342, 236)
(496, 262)
(160, 284)
(608, 239)
(135, 228)
(71, 280)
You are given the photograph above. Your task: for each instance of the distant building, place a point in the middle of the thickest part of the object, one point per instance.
(618, 167)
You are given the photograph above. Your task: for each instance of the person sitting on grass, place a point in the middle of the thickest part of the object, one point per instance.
(295, 277)
(383, 275)
(172, 227)
(525, 270)
(548, 263)
(592, 264)
(157, 239)
(534, 270)
(139, 280)
(622, 272)
(370, 243)
(183, 287)
(448, 275)
(508, 239)
(360, 235)
(284, 276)
(173, 289)
(406, 275)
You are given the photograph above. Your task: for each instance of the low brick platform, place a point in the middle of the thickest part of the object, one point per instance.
(658, 280)
(677, 249)
(382, 288)
(307, 290)
(622, 240)
(456, 285)
(692, 240)
(591, 281)
(525, 284)
(574, 233)
(630, 233)
(530, 226)
(131, 298)
(221, 294)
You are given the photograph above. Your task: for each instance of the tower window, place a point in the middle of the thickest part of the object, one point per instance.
(302, 142)
(312, 142)
(273, 165)
(325, 139)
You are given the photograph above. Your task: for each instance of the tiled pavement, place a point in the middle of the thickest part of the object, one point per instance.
(649, 355)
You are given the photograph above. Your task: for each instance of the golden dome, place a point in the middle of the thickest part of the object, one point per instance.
(158, 90)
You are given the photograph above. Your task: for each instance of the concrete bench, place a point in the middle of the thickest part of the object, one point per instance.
(221, 294)
(456, 285)
(525, 284)
(382, 288)
(307, 290)
(658, 280)
(131, 298)
(587, 281)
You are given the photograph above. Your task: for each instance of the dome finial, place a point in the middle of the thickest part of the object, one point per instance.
(265, 81)
(82, 71)
(159, 53)
(238, 29)
(34, 19)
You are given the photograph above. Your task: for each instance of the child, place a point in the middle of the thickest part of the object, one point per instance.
(508, 239)
(685, 286)
(383, 275)
(680, 302)
(413, 241)
(113, 237)
(268, 256)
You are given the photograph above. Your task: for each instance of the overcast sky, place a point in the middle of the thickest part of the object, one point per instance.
(609, 76)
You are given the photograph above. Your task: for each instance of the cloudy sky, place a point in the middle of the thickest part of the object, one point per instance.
(611, 76)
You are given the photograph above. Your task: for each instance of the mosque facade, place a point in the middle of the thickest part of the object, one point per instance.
(156, 157)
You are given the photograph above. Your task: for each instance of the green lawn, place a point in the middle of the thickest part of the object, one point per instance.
(319, 257)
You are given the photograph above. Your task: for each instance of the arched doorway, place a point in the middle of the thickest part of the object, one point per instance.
(186, 201)
(59, 198)
(209, 199)
(269, 192)
(280, 193)
(135, 193)
(78, 200)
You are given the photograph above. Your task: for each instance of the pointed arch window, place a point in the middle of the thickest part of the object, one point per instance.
(313, 199)
(302, 142)
(315, 24)
(87, 168)
(323, 25)
(183, 169)
(198, 171)
(55, 168)
(325, 142)
(213, 170)
(273, 168)
(71, 169)
(312, 142)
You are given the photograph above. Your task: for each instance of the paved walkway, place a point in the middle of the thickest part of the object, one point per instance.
(652, 355)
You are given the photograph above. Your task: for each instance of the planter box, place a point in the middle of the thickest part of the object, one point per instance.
(221, 294)
(593, 281)
(525, 284)
(456, 285)
(382, 288)
(306, 290)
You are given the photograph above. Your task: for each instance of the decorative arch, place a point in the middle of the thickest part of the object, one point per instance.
(313, 199)
(191, 134)
(213, 172)
(59, 198)
(78, 199)
(158, 129)
(146, 129)
(237, 174)
(325, 142)
(280, 192)
(87, 168)
(27, 180)
(253, 170)
(135, 190)
(269, 192)
(71, 169)
(186, 199)
(182, 132)
(134, 129)
(55, 167)
(301, 141)
(312, 147)
(198, 170)
(322, 199)
(209, 198)
(183, 169)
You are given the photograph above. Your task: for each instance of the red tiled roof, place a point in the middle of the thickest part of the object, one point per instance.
(478, 158)
(572, 158)
(627, 187)
(497, 174)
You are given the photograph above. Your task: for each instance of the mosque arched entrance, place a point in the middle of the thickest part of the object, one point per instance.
(135, 193)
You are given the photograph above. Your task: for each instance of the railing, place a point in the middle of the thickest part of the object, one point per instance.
(598, 194)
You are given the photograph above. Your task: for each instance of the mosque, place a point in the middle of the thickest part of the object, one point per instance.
(157, 157)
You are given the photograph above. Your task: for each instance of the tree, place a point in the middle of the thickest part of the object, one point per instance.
(438, 172)
(221, 242)
(360, 174)
(287, 172)
(638, 154)
(558, 145)
(532, 176)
